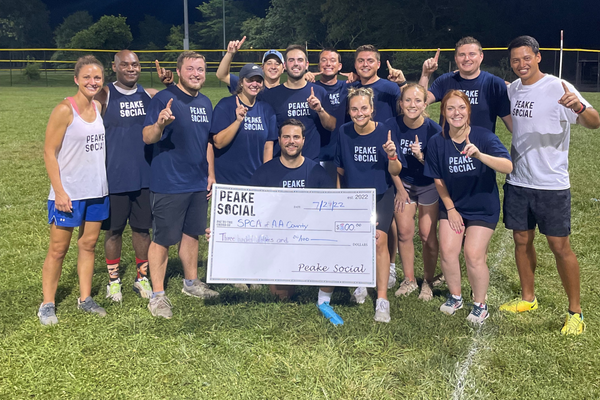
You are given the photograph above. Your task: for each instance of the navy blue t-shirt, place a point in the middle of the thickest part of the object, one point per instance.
(487, 94)
(386, 98)
(127, 156)
(336, 106)
(309, 175)
(236, 162)
(363, 159)
(291, 103)
(179, 158)
(471, 184)
(413, 173)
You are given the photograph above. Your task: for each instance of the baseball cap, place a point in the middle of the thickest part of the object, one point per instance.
(271, 54)
(250, 70)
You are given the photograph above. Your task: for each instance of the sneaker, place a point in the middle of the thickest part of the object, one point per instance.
(392, 278)
(574, 325)
(199, 289)
(426, 291)
(255, 286)
(143, 288)
(241, 287)
(90, 306)
(160, 306)
(478, 314)
(331, 315)
(113, 290)
(519, 305)
(451, 305)
(360, 295)
(438, 280)
(382, 311)
(406, 288)
(47, 314)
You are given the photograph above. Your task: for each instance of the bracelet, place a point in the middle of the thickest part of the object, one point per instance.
(401, 83)
(582, 109)
(449, 209)
(393, 158)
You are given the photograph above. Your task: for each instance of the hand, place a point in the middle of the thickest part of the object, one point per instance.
(390, 147)
(165, 75)
(235, 45)
(401, 200)
(62, 202)
(570, 99)
(455, 221)
(240, 111)
(310, 77)
(166, 116)
(395, 75)
(313, 102)
(211, 180)
(351, 77)
(471, 150)
(207, 234)
(415, 149)
(431, 64)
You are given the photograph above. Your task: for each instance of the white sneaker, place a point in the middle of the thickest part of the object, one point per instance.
(360, 295)
(392, 279)
(113, 290)
(426, 291)
(382, 311)
(406, 288)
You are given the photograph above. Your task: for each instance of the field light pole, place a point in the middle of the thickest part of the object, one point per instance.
(186, 36)
(224, 44)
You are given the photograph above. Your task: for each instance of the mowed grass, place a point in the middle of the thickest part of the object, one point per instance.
(250, 346)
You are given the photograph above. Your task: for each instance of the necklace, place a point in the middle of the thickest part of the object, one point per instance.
(467, 133)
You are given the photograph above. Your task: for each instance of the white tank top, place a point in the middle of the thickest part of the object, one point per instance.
(81, 158)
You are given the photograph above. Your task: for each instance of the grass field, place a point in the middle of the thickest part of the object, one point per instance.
(249, 346)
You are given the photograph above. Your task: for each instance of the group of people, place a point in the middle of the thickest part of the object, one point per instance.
(164, 150)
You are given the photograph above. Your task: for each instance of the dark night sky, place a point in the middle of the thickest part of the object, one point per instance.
(578, 19)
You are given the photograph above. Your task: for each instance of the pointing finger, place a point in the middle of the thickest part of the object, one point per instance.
(389, 65)
(468, 141)
(168, 107)
(237, 101)
(241, 42)
(565, 87)
(437, 55)
(416, 139)
(389, 136)
(158, 69)
(312, 91)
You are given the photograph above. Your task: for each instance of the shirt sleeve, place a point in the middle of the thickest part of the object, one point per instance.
(272, 130)
(494, 147)
(234, 81)
(437, 88)
(501, 95)
(432, 167)
(338, 150)
(223, 116)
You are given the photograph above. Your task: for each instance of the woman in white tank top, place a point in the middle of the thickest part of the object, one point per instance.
(75, 161)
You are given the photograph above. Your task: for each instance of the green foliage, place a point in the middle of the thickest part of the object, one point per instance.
(152, 34)
(24, 23)
(209, 32)
(32, 71)
(70, 26)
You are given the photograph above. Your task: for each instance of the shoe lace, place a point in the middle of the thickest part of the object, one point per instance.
(573, 323)
(163, 301)
(477, 311)
(383, 305)
(452, 302)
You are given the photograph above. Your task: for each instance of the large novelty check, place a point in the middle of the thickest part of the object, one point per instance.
(323, 237)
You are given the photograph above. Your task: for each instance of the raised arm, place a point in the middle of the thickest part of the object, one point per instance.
(328, 121)
(500, 164)
(429, 67)
(394, 165)
(225, 64)
(223, 138)
(152, 133)
(586, 117)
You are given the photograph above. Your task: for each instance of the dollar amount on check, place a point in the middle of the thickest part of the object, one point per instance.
(322, 237)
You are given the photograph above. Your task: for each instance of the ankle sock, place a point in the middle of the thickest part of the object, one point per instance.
(154, 294)
(324, 297)
(189, 282)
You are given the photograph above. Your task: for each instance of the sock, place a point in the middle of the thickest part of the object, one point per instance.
(142, 268)
(573, 313)
(480, 305)
(113, 269)
(324, 297)
(459, 297)
(392, 265)
(189, 282)
(154, 294)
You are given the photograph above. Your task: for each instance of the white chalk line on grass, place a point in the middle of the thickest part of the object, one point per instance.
(477, 342)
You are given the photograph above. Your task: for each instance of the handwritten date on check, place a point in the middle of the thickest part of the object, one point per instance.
(318, 237)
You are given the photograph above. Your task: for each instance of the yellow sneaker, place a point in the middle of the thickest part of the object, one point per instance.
(574, 325)
(519, 305)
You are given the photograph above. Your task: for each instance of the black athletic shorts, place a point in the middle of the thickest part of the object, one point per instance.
(132, 206)
(550, 210)
(175, 214)
(384, 207)
(471, 222)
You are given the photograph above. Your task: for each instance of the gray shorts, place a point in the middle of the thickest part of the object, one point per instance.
(550, 210)
(422, 195)
(176, 214)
